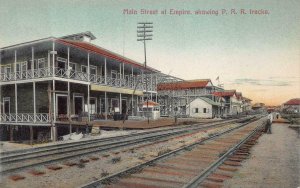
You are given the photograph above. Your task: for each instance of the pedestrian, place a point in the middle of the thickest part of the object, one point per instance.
(268, 128)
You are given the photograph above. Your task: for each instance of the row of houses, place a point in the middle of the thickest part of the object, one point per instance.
(53, 82)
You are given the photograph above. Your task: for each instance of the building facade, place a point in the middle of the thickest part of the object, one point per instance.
(56, 81)
(175, 97)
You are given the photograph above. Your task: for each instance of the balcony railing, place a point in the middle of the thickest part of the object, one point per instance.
(25, 118)
(75, 75)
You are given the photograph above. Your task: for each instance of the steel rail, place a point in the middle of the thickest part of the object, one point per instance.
(15, 153)
(108, 146)
(204, 174)
(96, 141)
(135, 168)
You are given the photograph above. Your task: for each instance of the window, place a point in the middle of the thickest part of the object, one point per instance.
(7, 69)
(93, 70)
(41, 63)
(93, 105)
(73, 66)
(114, 74)
(204, 110)
(195, 110)
(83, 69)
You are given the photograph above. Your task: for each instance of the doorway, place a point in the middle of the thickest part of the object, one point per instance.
(78, 104)
(62, 104)
(124, 106)
(6, 105)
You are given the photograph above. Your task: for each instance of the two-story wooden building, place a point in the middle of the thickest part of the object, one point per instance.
(176, 98)
(51, 82)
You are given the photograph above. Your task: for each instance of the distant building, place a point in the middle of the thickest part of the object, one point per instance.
(259, 107)
(203, 107)
(233, 101)
(175, 97)
(292, 106)
(246, 104)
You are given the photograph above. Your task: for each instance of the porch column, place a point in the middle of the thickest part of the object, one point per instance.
(132, 79)
(123, 71)
(151, 83)
(68, 63)
(48, 61)
(105, 71)
(53, 59)
(120, 74)
(132, 105)
(16, 101)
(120, 105)
(156, 88)
(32, 61)
(54, 101)
(11, 132)
(15, 67)
(142, 80)
(34, 103)
(0, 85)
(88, 102)
(31, 135)
(105, 103)
(88, 87)
(88, 63)
(69, 110)
(53, 127)
(137, 104)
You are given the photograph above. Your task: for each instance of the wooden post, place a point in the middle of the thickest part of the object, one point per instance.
(31, 135)
(34, 102)
(105, 104)
(16, 101)
(69, 110)
(11, 133)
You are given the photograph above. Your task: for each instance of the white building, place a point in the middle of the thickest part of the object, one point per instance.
(203, 107)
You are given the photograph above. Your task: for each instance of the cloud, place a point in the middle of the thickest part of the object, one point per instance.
(261, 82)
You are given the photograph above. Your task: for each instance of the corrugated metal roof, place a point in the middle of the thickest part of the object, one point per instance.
(295, 101)
(227, 93)
(183, 85)
(103, 52)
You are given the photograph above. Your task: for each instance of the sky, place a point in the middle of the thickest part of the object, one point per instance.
(256, 54)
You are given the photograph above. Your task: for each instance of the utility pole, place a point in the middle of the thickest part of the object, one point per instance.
(144, 33)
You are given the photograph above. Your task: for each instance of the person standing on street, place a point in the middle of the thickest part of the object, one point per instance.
(269, 123)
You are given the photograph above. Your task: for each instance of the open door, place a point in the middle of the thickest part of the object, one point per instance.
(6, 105)
(62, 106)
(78, 105)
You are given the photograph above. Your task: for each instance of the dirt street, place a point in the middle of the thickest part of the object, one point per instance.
(274, 162)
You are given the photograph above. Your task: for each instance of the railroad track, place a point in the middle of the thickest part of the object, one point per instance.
(14, 161)
(187, 166)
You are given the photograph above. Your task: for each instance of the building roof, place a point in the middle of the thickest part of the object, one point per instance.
(247, 99)
(209, 101)
(150, 103)
(103, 52)
(258, 105)
(188, 84)
(87, 33)
(295, 101)
(226, 93)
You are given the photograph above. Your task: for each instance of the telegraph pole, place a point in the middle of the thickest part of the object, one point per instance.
(144, 33)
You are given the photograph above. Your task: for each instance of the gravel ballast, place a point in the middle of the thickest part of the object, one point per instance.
(274, 161)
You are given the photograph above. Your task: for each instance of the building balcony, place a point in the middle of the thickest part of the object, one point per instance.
(128, 83)
(24, 118)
